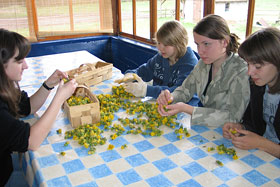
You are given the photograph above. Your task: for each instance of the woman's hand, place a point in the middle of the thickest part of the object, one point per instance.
(229, 129)
(64, 91)
(164, 98)
(248, 140)
(55, 78)
(169, 110)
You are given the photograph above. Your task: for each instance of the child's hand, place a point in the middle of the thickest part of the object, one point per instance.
(164, 98)
(55, 78)
(64, 91)
(230, 130)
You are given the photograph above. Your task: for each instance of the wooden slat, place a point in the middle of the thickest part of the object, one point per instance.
(70, 4)
(153, 19)
(250, 17)
(177, 10)
(134, 16)
(209, 7)
(115, 15)
(35, 18)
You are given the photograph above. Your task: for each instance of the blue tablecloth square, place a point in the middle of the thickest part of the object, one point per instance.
(256, 178)
(58, 181)
(48, 161)
(31, 156)
(136, 160)
(196, 153)
(97, 92)
(172, 137)
(73, 166)
(164, 164)
(223, 185)
(37, 86)
(45, 142)
(143, 146)
(190, 183)
(37, 178)
(277, 180)
(82, 151)
(109, 81)
(42, 77)
(116, 117)
(224, 173)
(128, 177)
(198, 140)
(109, 156)
(100, 171)
(169, 149)
(276, 163)
(252, 150)
(119, 141)
(38, 72)
(224, 158)
(219, 130)
(253, 161)
(159, 181)
(90, 184)
(103, 86)
(227, 143)
(59, 147)
(194, 169)
(199, 128)
(52, 132)
(61, 122)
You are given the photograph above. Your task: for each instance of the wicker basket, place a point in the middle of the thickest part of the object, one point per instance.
(83, 114)
(91, 74)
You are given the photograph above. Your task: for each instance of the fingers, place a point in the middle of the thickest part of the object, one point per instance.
(137, 78)
(128, 87)
(164, 97)
(126, 78)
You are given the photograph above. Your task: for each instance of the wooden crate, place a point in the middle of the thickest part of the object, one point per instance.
(91, 73)
(83, 114)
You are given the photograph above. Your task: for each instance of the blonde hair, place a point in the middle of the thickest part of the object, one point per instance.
(173, 33)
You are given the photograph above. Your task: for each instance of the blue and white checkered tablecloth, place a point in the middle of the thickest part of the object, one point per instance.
(147, 161)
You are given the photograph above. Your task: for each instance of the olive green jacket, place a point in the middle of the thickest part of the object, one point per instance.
(227, 95)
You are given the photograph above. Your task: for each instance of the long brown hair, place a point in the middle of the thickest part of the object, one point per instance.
(10, 43)
(263, 46)
(215, 27)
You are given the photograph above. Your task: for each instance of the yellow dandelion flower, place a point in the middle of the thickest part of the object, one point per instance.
(110, 147)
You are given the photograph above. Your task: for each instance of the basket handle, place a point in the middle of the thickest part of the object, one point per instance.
(89, 65)
(80, 86)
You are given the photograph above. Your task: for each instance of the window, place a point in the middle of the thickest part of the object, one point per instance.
(267, 13)
(236, 15)
(46, 18)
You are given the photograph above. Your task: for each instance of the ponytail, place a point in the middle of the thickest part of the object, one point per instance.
(233, 43)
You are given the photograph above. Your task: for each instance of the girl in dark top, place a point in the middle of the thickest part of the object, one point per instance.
(16, 135)
(260, 128)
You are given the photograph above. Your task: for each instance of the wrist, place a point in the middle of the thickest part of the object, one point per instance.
(46, 86)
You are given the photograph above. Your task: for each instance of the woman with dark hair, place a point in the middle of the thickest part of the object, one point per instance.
(15, 134)
(260, 127)
(167, 69)
(219, 79)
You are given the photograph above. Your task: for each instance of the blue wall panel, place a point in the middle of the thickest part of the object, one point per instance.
(122, 52)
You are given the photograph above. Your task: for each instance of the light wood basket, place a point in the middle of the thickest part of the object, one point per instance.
(91, 73)
(83, 114)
